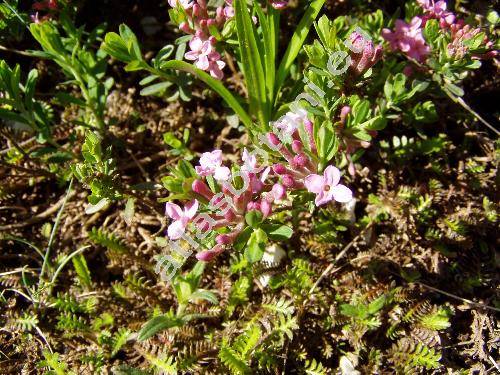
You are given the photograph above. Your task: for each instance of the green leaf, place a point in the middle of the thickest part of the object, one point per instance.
(297, 41)
(252, 63)
(242, 238)
(30, 89)
(206, 295)
(269, 50)
(215, 85)
(170, 139)
(277, 232)
(158, 324)
(454, 89)
(254, 218)
(377, 304)
(157, 88)
(82, 270)
(256, 246)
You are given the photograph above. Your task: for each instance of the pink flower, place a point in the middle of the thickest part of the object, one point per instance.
(327, 187)
(211, 165)
(288, 124)
(279, 4)
(205, 56)
(438, 11)
(408, 38)
(229, 10)
(249, 162)
(278, 192)
(185, 4)
(181, 218)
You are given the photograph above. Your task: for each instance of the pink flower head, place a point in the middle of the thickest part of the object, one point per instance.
(228, 9)
(438, 11)
(211, 165)
(249, 162)
(327, 187)
(287, 125)
(279, 4)
(408, 38)
(185, 4)
(205, 56)
(181, 218)
(364, 54)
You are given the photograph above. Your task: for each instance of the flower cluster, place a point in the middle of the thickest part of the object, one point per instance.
(198, 23)
(257, 187)
(408, 37)
(364, 53)
(437, 11)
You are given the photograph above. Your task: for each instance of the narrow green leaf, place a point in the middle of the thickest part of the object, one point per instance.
(82, 270)
(252, 63)
(158, 324)
(215, 85)
(298, 38)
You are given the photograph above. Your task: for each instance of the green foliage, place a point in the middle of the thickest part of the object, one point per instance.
(98, 172)
(408, 354)
(71, 49)
(82, 270)
(18, 106)
(53, 361)
(314, 368)
(107, 240)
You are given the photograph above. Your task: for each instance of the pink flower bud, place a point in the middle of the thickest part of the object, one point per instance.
(408, 71)
(199, 187)
(297, 146)
(208, 255)
(344, 112)
(219, 15)
(266, 208)
(253, 206)
(288, 181)
(279, 169)
(229, 215)
(279, 4)
(196, 10)
(240, 202)
(224, 239)
(184, 26)
(308, 125)
(273, 139)
(301, 160)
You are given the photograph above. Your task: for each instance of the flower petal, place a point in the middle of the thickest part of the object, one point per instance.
(341, 193)
(322, 198)
(331, 175)
(222, 174)
(173, 211)
(191, 208)
(176, 230)
(314, 183)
